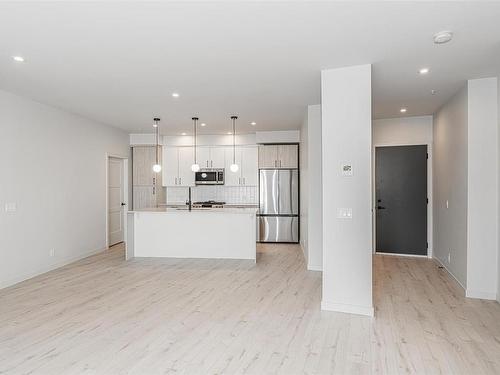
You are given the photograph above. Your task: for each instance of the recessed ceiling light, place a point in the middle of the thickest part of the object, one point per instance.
(203, 124)
(18, 58)
(443, 37)
(402, 110)
(229, 133)
(183, 133)
(423, 71)
(433, 92)
(175, 94)
(253, 123)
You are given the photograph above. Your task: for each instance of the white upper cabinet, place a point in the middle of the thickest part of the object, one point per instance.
(249, 165)
(278, 156)
(232, 178)
(203, 156)
(177, 163)
(170, 166)
(211, 156)
(217, 157)
(186, 160)
(247, 160)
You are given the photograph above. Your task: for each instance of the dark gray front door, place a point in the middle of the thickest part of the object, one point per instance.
(401, 199)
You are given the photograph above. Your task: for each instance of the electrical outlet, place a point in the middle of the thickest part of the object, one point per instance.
(52, 252)
(10, 207)
(344, 213)
(449, 258)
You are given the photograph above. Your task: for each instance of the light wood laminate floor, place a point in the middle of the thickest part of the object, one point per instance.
(103, 315)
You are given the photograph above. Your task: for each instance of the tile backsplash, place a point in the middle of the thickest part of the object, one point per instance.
(228, 194)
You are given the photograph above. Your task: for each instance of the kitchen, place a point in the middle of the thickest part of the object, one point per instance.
(212, 195)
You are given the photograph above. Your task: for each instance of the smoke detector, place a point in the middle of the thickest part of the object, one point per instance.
(443, 37)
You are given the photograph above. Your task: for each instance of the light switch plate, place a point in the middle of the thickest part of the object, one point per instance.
(344, 213)
(10, 207)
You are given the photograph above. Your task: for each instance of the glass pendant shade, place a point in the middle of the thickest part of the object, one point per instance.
(195, 167)
(157, 168)
(234, 168)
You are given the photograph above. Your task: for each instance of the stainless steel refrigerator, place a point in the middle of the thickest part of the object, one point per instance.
(279, 205)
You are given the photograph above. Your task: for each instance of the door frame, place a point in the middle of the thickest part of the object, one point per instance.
(430, 232)
(125, 195)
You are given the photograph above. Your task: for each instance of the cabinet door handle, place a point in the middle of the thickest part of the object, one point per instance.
(175, 181)
(239, 180)
(180, 180)
(244, 182)
(280, 163)
(211, 163)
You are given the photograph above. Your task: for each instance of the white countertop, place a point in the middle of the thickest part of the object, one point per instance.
(185, 210)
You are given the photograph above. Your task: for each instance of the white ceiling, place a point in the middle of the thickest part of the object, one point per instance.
(118, 63)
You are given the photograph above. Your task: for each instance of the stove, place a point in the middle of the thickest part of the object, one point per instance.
(209, 204)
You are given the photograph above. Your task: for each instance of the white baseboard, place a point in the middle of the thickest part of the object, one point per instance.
(47, 268)
(481, 295)
(345, 308)
(438, 261)
(314, 267)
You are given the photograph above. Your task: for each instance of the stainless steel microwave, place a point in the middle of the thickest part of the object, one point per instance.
(209, 177)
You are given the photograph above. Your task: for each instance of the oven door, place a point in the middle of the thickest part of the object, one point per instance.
(205, 178)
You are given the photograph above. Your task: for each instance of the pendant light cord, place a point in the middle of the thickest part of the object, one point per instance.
(157, 138)
(234, 138)
(195, 119)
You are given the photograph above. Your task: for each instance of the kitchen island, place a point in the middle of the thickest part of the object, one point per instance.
(219, 233)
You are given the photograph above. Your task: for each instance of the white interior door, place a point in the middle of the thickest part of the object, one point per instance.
(115, 200)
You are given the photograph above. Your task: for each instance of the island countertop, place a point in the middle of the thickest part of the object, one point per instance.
(225, 210)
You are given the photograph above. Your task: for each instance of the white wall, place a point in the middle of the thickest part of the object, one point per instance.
(282, 136)
(315, 230)
(400, 131)
(346, 138)
(304, 185)
(54, 169)
(403, 131)
(482, 212)
(498, 171)
(450, 184)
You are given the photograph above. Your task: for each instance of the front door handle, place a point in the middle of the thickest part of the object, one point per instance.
(123, 204)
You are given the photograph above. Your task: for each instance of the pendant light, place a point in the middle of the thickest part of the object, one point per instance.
(195, 167)
(234, 167)
(157, 166)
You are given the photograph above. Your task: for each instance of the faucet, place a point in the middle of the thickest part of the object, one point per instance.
(188, 202)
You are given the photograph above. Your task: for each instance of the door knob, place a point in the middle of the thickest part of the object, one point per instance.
(380, 208)
(123, 204)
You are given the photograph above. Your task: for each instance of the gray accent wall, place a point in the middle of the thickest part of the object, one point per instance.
(450, 184)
